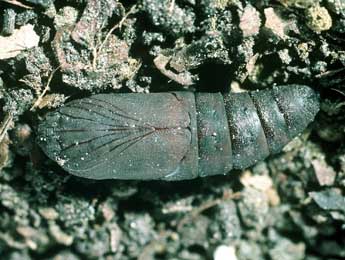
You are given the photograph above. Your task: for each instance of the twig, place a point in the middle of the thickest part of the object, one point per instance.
(209, 204)
(5, 125)
(340, 92)
(17, 3)
(329, 73)
(46, 89)
(135, 70)
(118, 25)
(94, 61)
(172, 6)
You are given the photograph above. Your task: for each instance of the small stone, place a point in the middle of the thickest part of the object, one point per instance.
(330, 199)
(48, 213)
(254, 208)
(274, 23)
(115, 237)
(286, 249)
(250, 21)
(324, 173)
(66, 16)
(224, 252)
(284, 56)
(107, 211)
(60, 236)
(273, 197)
(9, 20)
(261, 183)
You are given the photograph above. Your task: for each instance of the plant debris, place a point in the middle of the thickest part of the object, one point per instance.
(20, 40)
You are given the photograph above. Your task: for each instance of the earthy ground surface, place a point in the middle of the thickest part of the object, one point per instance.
(292, 206)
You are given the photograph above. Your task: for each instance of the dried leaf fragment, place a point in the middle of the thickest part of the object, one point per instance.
(22, 39)
(276, 24)
(183, 78)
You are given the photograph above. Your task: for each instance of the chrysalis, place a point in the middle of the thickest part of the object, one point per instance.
(174, 136)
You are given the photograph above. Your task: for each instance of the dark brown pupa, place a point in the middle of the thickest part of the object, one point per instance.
(174, 136)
